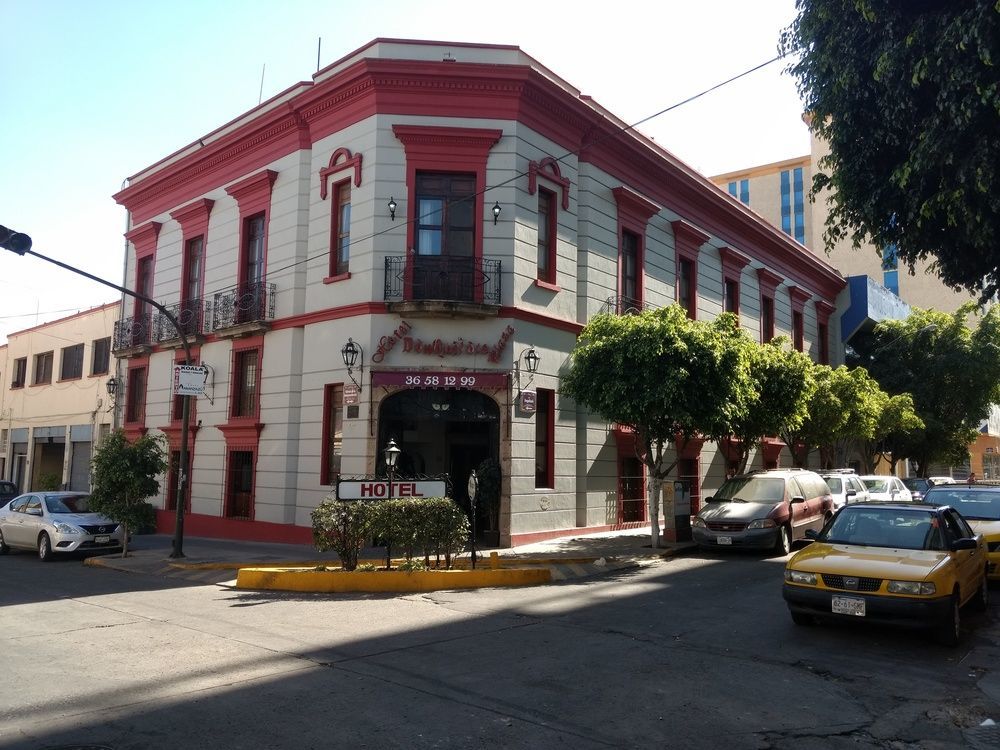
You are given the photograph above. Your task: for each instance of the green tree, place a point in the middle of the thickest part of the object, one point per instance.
(125, 474)
(663, 375)
(952, 371)
(897, 421)
(777, 396)
(906, 95)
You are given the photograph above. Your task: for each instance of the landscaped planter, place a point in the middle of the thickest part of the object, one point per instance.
(335, 581)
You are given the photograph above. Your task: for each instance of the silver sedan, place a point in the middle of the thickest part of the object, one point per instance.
(56, 522)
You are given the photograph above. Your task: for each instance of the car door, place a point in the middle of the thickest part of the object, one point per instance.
(800, 513)
(969, 562)
(13, 522)
(34, 521)
(860, 489)
(902, 493)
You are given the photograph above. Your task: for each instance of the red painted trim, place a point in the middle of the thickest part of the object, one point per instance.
(241, 433)
(254, 197)
(335, 207)
(193, 219)
(350, 162)
(690, 448)
(250, 343)
(688, 239)
(144, 238)
(547, 286)
(216, 527)
(530, 316)
(338, 277)
(333, 313)
(823, 311)
(548, 168)
(136, 427)
(798, 298)
(768, 281)
(733, 262)
(551, 240)
(634, 213)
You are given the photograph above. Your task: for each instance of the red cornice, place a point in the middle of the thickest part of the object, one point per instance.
(529, 316)
(464, 143)
(688, 239)
(733, 262)
(799, 297)
(253, 191)
(144, 238)
(768, 281)
(349, 162)
(193, 217)
(241, 434)
(548, 168)
(823, 311)
(632, 207)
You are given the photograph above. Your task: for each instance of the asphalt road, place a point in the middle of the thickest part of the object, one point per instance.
(695, 652)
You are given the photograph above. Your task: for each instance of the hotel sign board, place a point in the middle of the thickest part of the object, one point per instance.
(189, 380)
(376, 489)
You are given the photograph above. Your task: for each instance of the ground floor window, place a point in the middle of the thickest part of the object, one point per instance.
(239, 493)
(631, 490)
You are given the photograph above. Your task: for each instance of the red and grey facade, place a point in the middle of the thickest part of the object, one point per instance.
(447, 208)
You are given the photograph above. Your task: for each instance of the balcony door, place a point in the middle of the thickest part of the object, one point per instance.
(444, 264)
(250, 297)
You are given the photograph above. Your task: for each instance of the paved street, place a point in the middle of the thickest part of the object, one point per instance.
(691, 652)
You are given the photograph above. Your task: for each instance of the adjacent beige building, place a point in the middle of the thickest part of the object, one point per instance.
(54, 399)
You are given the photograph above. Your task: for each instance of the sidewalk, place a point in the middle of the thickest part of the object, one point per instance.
(216, 560)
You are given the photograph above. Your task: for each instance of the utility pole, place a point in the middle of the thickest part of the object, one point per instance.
(20, 243)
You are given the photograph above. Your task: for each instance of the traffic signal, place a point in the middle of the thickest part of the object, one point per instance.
(18, 242)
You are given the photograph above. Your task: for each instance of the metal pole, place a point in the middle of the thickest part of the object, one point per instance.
(178, 541)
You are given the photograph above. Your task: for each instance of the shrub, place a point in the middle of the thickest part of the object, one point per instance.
(49, 481)
(343, 527)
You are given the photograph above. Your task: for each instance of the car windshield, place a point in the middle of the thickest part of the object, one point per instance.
(752, 490)
(67, 503)
(877, 485)
(836, 484)
(915, 483)
(981, 505)
(884, 527)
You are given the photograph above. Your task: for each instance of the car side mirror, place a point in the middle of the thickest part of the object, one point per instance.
(964, 543)
(798, 499)
(851, 493)
(812, 535)
(710, 499)
(34, 511)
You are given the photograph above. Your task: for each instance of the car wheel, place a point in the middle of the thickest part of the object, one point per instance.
(783, 544)
(44, 548)
(981, 601)
(4, 549)
(801, 618)
(949, 631)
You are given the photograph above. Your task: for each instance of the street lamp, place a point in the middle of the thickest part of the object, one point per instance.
(351, 352)
(392, 452)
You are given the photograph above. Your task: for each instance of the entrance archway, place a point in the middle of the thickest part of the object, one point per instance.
(441, 431)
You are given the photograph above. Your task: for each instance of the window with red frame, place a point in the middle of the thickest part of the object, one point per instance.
(144, 286)
(340, 252)
(631, 290)
(239, 493)
(544, 438)
(686, 294)
(766, 319)
(824, 344)
(245, 370)
(546, 236)
(333, 433)
(798, 336)
(732, 301)
(135, 395)
(190, 314)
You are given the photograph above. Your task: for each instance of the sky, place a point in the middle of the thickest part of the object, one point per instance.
(93, 92)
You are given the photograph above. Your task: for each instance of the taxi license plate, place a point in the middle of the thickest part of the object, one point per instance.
(846, 605)
(724, 539)
(102, 539)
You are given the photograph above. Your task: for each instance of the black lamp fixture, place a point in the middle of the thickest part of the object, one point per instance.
(353, 356)
(531, 360)
(392, 452)
(114, 388)
(496, 212)
(392, 208)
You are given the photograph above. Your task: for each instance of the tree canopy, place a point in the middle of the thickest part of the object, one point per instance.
(124, 476)
(907, 96)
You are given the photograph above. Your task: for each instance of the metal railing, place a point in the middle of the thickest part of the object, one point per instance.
(191, 314)
(247, 303)
(442, 278)
(625, 306)
(134, 331)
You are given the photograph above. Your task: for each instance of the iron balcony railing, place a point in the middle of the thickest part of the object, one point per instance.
(252, 302)
(191, 315)
(134, 331)
(625, 306)
(442, 278)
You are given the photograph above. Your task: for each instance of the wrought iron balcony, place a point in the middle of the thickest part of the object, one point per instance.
(136, 331)
(192, 316)
(625, 306)
(442, 278)
(243, 305)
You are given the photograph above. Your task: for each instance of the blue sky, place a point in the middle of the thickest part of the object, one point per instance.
(95, 91)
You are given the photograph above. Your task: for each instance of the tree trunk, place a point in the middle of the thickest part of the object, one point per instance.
(125, 540)
(655, 484)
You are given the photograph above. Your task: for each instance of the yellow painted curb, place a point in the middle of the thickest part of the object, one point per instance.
(397, 581)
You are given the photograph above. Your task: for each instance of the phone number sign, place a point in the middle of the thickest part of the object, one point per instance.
(441, 379)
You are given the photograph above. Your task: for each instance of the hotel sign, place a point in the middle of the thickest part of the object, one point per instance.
(374, 489)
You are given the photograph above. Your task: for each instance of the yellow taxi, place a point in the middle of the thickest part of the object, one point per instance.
(909, 564)
(979, 504)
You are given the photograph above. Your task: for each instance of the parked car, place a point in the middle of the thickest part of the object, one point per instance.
(919, 485)
(845, 487)
(886, 489)
(979, 504)
(895, 563)
(56, 522)
(942, 480)
(8, 491)
(763, 510)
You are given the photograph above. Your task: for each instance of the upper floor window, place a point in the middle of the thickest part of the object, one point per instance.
(546, 236)
(43, 369)
(631, 286)
(253, 251)
(766, 319)
(798, 331)
(446, 214)
(686, 291)
(823, 334)
(100, 356)
(244, 399)
(793, 204)
(71, 366)
(20, 376)
(732, 298)
(340, 232)
(144, 285)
